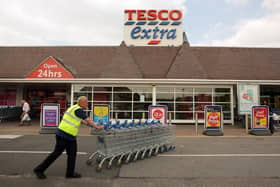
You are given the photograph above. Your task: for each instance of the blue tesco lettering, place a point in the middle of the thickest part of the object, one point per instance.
(156, 33)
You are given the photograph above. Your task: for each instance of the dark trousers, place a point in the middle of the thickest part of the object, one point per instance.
(61, 145)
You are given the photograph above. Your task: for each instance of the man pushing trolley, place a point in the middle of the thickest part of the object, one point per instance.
(66, 139)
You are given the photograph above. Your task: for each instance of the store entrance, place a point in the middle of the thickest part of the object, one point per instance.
(36, 95)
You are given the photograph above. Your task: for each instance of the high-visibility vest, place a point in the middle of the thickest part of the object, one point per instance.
(70, 123)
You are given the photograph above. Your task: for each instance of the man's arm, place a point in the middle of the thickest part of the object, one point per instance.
(91, 123)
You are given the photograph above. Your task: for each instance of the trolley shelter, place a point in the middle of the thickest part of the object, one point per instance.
(158, 113)
(50, 117)
(213, 122)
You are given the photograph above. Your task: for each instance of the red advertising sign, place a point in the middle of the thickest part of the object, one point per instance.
(213, 117)
(260, 117)
(158, 112)
(50, 69)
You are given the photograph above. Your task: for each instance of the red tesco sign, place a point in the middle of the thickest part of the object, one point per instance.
(154, 14)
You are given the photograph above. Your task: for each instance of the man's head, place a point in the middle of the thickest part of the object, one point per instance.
(82, 102)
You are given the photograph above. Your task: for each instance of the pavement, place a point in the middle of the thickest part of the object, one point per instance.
(235, 159)
(236, 130)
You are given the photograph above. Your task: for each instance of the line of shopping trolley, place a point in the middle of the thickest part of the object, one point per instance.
(9, 113)
(131, 140)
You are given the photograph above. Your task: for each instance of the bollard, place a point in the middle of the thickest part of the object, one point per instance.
(246, 123)
(143, 115)
(222, 122)
(169, 116)
(196, 124)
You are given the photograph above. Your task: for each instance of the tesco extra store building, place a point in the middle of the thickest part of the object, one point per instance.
(154, 65)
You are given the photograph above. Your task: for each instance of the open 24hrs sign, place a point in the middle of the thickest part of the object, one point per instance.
(50, 69)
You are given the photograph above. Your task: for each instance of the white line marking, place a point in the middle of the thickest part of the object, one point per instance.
(9, 136)
(220, 155)
(38, 152)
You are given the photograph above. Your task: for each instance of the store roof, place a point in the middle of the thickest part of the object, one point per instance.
(185, 62)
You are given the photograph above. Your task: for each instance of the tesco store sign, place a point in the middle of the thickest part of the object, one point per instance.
(153, 27)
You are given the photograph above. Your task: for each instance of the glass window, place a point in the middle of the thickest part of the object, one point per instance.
(102, 89)
(182, 97)
(166, 97)
(227, 115)
(203, 98)
(200, 115)
(203, 90)
(184, 106)
(102, 96)
(165, 89)
(139, 115)
(222, 90)
(184, 90)
(200, 106)
(142, 97)
(122, 106)
(142, 89)
(82, 88)
(131, 101)
(122, 89)
(122, 96)
(225, 106)
(141, 106)
(170, 106)
(184, 115)
(122, 115)
(222, 97)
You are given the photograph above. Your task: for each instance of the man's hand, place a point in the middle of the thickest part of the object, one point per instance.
(91, 123)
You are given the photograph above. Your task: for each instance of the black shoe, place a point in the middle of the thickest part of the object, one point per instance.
(75, 175)
(39, 174)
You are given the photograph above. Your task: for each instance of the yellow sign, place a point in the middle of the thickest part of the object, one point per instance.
(101, 111)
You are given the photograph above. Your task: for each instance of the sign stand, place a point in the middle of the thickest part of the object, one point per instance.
(158, 113)
(213, 122)
(260, 121)
(101, 116)
(50, 117)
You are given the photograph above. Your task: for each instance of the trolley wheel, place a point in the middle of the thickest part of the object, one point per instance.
(109, 166)
(149, 153)
(143, 155)
(119, 163)
(98, 159)
(89, 162)
(98, 168)
(165, 148)
(155, 152)
(161, 149)
(139, 155)
(132, 157)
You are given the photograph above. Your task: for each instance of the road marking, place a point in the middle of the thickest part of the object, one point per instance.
(9, 136)
(38, 152)
(220, 155)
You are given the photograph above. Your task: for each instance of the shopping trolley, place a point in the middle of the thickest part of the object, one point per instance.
(131, 140)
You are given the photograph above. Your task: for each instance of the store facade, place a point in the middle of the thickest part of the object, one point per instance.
(130, 79)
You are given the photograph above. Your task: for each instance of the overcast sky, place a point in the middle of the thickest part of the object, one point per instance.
(238, 23)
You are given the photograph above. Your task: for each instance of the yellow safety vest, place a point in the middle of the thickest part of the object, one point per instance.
(70, 123)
